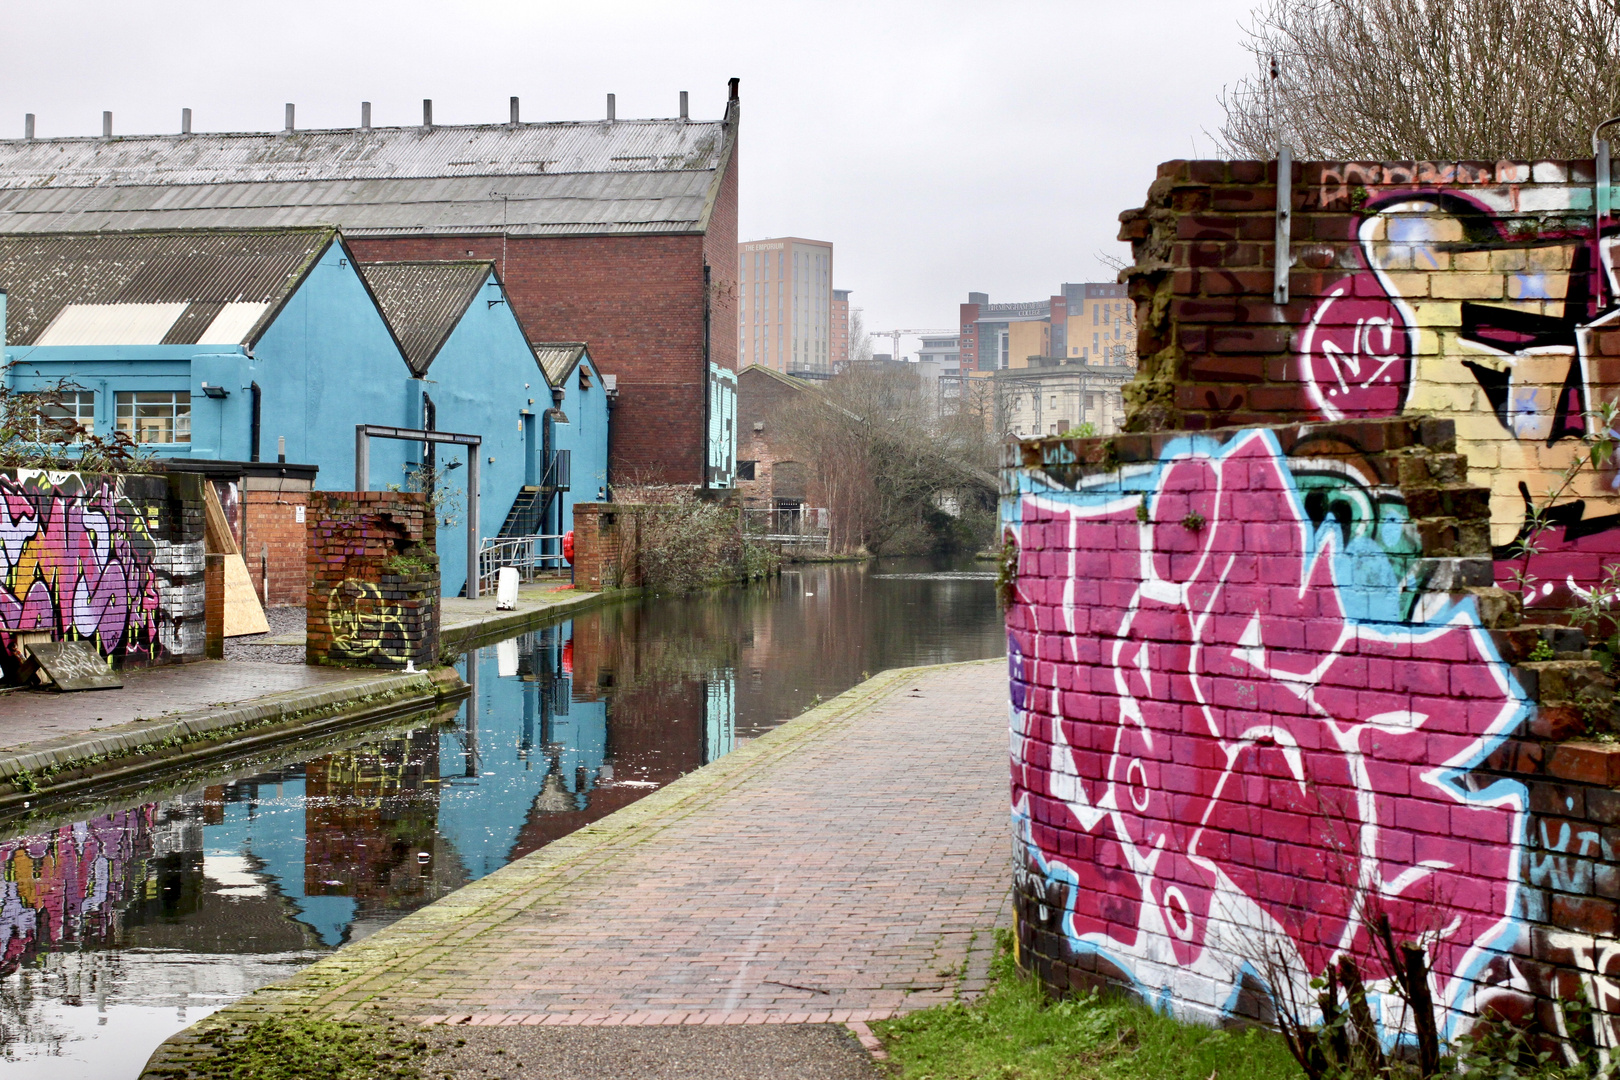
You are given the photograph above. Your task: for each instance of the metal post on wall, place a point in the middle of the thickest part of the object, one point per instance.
(1601, 197)
(364, 433)
(1283, 259)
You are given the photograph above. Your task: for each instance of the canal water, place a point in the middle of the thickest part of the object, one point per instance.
(124, 921)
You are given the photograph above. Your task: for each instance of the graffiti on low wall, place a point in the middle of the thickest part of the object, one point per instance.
(1239, 727)
(1493, 304)
(78, 560)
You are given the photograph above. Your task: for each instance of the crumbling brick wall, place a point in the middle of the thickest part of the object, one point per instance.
(1265, 691)
(1474, 291)
(606, 541)
(373, 580)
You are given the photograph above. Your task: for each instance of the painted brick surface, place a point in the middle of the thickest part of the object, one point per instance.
(113, 559)
(373, 580)
(1475, 291)
(1263, 691)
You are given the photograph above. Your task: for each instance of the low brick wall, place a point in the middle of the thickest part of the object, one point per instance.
(606, 542)
(113, 559)
(276, 533)
(1264, 691)
(372, 580)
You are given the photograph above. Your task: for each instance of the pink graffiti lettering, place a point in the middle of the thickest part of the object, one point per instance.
(1207, 750)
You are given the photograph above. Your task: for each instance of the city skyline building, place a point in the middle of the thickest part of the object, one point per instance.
(785, 305)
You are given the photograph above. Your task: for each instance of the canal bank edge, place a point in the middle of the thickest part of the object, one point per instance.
(348, 983)
(458, 634)
(72, 762)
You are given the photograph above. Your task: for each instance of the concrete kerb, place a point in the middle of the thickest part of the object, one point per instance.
(462, 636)
(349, 980)
(72, 762)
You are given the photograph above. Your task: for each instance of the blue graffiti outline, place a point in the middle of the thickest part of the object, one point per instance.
(1144, 480)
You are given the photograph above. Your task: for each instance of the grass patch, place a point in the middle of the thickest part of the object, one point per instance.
(1015, 1032)
(301, 1048)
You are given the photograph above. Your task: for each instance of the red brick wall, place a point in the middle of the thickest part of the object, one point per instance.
(605, 544)
(273, 530)
(365, 608)
(1238, 699)
(1467, 290)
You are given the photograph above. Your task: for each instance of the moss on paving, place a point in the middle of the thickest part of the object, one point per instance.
(1015, 1032)
(305, 1048)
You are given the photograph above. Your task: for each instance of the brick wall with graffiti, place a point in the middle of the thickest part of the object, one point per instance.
(373, 580)
(1482, 292)
(114, 560)
(1265, 694)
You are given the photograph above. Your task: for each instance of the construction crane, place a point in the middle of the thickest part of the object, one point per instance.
(896, 335)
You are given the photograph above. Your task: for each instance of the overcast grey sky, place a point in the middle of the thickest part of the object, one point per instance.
(941, 146)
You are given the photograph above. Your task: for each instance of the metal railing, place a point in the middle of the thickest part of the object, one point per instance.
(804, 527)
(529, 555)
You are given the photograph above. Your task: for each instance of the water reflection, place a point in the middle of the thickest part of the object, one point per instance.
(121, 927)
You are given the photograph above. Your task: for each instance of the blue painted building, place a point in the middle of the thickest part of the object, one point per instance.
(220, 344)
(579, 424)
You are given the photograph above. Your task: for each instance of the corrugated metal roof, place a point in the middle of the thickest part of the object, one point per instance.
(557, 358)
(423, 301)
(207, 273)
(629, 176)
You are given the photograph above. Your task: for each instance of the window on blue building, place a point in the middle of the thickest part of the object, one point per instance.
(155, 416)
(76, 410)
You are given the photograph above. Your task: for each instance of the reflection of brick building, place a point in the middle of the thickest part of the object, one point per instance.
(368, 812)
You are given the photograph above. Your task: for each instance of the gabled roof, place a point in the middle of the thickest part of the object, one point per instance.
(423, 301)
(566, 178)
(558, 358)
(212, 287)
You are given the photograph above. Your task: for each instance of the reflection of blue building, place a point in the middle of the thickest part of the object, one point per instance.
(271, 831)
(525, 747)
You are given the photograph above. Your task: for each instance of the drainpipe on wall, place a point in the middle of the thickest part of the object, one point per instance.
(258, 399)
(708, 391)
(1600, 204)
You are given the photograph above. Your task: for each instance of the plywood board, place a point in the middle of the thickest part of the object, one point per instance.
(75, 665)
(243, 615)
(217, 536)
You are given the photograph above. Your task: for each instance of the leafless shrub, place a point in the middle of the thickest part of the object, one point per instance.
(686, 543)
(1425, 79)
(890, 462)
(37, 431)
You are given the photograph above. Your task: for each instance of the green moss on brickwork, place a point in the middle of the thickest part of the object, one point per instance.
(301, 1048)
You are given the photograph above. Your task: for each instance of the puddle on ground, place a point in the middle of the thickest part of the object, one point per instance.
(124, 922)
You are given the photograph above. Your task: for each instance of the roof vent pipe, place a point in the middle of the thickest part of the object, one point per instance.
(683, 104)
(427, 114)
(365, 115)
(28, 125)
(106, 125)
(514, 119)
(611, 108)
(185, 121)
(289, 124)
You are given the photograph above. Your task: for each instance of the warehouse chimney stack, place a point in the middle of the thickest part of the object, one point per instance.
(185, 121)
(289, 124)
(514, 119)
(427, 114)
(28, 126)
(106, 125)
(365, 116)
(683, 105)
(611, 108)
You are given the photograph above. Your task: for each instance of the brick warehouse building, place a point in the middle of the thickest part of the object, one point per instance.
(618, 233)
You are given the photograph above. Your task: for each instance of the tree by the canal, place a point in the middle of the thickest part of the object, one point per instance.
(1438, 80)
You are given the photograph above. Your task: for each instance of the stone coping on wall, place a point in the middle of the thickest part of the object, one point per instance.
(74, 762)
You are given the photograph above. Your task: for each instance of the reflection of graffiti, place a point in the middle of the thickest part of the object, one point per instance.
(1466, 308)
(76, 561)
(1227, 732)
(68, 886)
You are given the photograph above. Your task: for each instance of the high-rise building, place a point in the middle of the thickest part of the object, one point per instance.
(840, 328)
(785, 305)
(1087, 323)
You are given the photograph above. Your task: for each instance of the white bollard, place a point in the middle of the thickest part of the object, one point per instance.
(506, 585)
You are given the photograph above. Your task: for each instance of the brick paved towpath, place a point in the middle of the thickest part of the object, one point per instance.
(847, 865)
